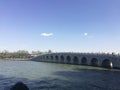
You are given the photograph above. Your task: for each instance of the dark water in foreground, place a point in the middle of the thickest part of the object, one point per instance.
(51, 76)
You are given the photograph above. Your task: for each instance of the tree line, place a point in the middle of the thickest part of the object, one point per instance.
(20, 54)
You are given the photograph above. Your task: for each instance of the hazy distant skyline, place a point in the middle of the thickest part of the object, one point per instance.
(60, 25)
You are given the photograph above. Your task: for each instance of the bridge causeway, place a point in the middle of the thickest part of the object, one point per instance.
(92, 59)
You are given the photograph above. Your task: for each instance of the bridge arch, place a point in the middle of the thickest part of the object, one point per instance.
(47, 57)
(62, 58)
(84, 61)
(68, 59)
(107, 63)
(52, 57)
(56, 57)
(94, 62)
(75, 60)
(44, 57)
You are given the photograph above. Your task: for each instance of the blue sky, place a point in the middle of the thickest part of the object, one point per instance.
(60, 25)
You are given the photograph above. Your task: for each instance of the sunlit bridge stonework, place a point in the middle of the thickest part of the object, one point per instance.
(92, 59)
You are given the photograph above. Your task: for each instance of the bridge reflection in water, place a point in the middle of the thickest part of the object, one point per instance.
(102, 60)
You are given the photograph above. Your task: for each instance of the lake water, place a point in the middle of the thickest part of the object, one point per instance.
(52, 76)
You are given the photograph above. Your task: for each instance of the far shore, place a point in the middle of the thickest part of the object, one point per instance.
(15, 59)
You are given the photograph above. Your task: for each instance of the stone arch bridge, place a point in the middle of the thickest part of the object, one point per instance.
(92, 59)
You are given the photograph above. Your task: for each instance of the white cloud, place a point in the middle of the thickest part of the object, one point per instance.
(85, 34)
(46, 34)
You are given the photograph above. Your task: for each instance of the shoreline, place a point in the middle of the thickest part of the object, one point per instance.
(15, 59)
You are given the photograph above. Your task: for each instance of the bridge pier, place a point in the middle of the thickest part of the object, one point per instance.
(94, 62)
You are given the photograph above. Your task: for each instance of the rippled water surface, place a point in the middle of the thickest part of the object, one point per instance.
(51, 76)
